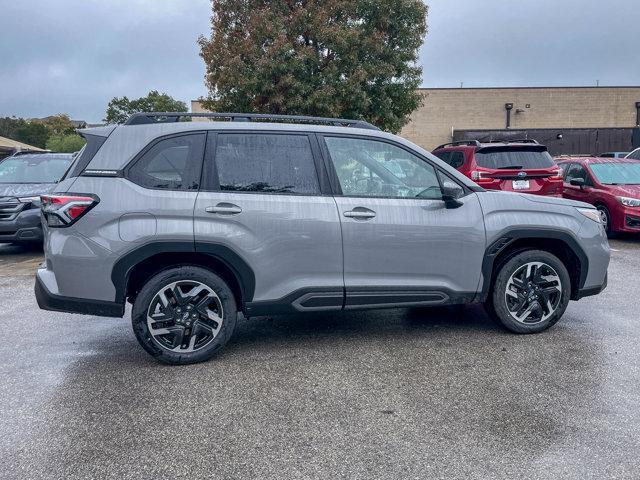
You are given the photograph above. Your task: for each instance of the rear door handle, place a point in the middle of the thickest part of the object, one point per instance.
(360, 213)
(224, 209)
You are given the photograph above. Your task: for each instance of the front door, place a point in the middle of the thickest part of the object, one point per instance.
(401, 244)
(262, 201)
(574, 192)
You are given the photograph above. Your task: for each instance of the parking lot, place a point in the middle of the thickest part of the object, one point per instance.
(421, 393)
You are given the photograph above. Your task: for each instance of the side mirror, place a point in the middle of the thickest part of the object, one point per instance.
(450, 197)
(577, 182)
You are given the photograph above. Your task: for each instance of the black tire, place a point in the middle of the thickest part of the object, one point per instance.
(606, 218)
(188, 275)
(498, 309)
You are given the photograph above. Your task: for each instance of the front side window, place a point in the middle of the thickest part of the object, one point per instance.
(173, 163)
(635, 155)
(577, 171)
(370, 168)
(41, 168)
(267, 163)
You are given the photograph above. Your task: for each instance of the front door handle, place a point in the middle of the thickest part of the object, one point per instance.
(224, 209)
(360, 213)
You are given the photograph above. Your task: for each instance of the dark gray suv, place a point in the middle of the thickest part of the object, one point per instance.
(195, 221)
(23, 178)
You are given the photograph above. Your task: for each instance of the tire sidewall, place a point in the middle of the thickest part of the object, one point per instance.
(151, 288)
(499, 305)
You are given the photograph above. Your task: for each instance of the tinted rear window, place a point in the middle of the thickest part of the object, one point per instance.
(503, 159)
(266, 163)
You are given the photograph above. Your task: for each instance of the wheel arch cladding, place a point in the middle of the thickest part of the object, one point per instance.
(557, 242)
(134, 268)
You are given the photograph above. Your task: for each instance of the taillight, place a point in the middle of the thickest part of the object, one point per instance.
(480, 177)
(557, 174)
(65, 210)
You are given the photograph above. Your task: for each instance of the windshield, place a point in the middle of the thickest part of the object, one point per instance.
(525, 159)
(34, 168)
(617, 173)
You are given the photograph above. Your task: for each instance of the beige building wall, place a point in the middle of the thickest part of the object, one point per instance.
(451, 109)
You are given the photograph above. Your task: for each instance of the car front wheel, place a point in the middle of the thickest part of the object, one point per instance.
(531, 292)
(184, 315)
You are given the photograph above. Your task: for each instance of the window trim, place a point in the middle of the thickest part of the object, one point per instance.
(335, 181)
(210, 179)
(126, 171)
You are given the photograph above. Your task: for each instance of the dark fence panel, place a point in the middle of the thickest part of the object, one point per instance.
(564, 141)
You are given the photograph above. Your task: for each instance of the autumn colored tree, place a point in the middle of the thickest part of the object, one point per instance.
(334, 58)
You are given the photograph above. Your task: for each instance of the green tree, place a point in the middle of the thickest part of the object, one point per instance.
(121, 108)
(336, 58)
(65, 143)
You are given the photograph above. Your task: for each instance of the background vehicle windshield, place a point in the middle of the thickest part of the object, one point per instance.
(526, 159)
(617, 173)
(34, 168)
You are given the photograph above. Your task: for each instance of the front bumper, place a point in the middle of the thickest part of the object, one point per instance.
(26, 227)
(588, 292)
(57, 303)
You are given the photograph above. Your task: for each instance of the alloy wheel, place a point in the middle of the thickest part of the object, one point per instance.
(185, 316)
(604, 217)
(533, 293)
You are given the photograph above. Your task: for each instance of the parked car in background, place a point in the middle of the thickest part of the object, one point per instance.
(612, 185)
(613, 155)
(522, 166)
(23, 178)
(192, 222)
(635, 155)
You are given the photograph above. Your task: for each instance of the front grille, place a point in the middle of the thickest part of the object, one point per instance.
(10, 208)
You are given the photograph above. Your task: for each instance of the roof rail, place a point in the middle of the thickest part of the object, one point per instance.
(517, 140)
(474, 143)
(171, 117)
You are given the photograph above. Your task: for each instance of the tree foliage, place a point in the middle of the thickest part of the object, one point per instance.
(65, 143)
(58, 124)
(121, 108)
(335, 58)
(29, 132)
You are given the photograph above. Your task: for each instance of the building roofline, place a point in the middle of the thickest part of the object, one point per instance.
(533, 88)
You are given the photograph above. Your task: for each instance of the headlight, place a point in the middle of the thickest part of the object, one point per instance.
(29, 199)
(591, 213)
(629, 202)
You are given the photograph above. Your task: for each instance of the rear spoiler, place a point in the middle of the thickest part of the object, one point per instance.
(532, 147)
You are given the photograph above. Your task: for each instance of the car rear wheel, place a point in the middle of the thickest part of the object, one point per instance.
(184, 315)
(531, 292)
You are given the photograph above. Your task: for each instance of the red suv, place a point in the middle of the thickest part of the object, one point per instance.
(522, 166)
(611, 184)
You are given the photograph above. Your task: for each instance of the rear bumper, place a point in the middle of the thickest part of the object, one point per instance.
(57, 303)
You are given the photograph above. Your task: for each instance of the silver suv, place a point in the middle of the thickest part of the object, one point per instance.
(195, 221)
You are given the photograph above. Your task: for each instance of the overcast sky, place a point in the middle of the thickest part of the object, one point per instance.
(75, 55)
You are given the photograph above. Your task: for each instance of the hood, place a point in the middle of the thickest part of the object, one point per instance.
(25, 189)
(632, 191)
(546, 200)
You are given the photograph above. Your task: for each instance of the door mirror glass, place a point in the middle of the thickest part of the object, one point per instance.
(577, 182)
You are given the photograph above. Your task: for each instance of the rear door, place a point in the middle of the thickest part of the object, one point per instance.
(265, 199)
(401, 244)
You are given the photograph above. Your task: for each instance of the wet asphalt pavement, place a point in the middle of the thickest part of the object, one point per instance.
(397, 394)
